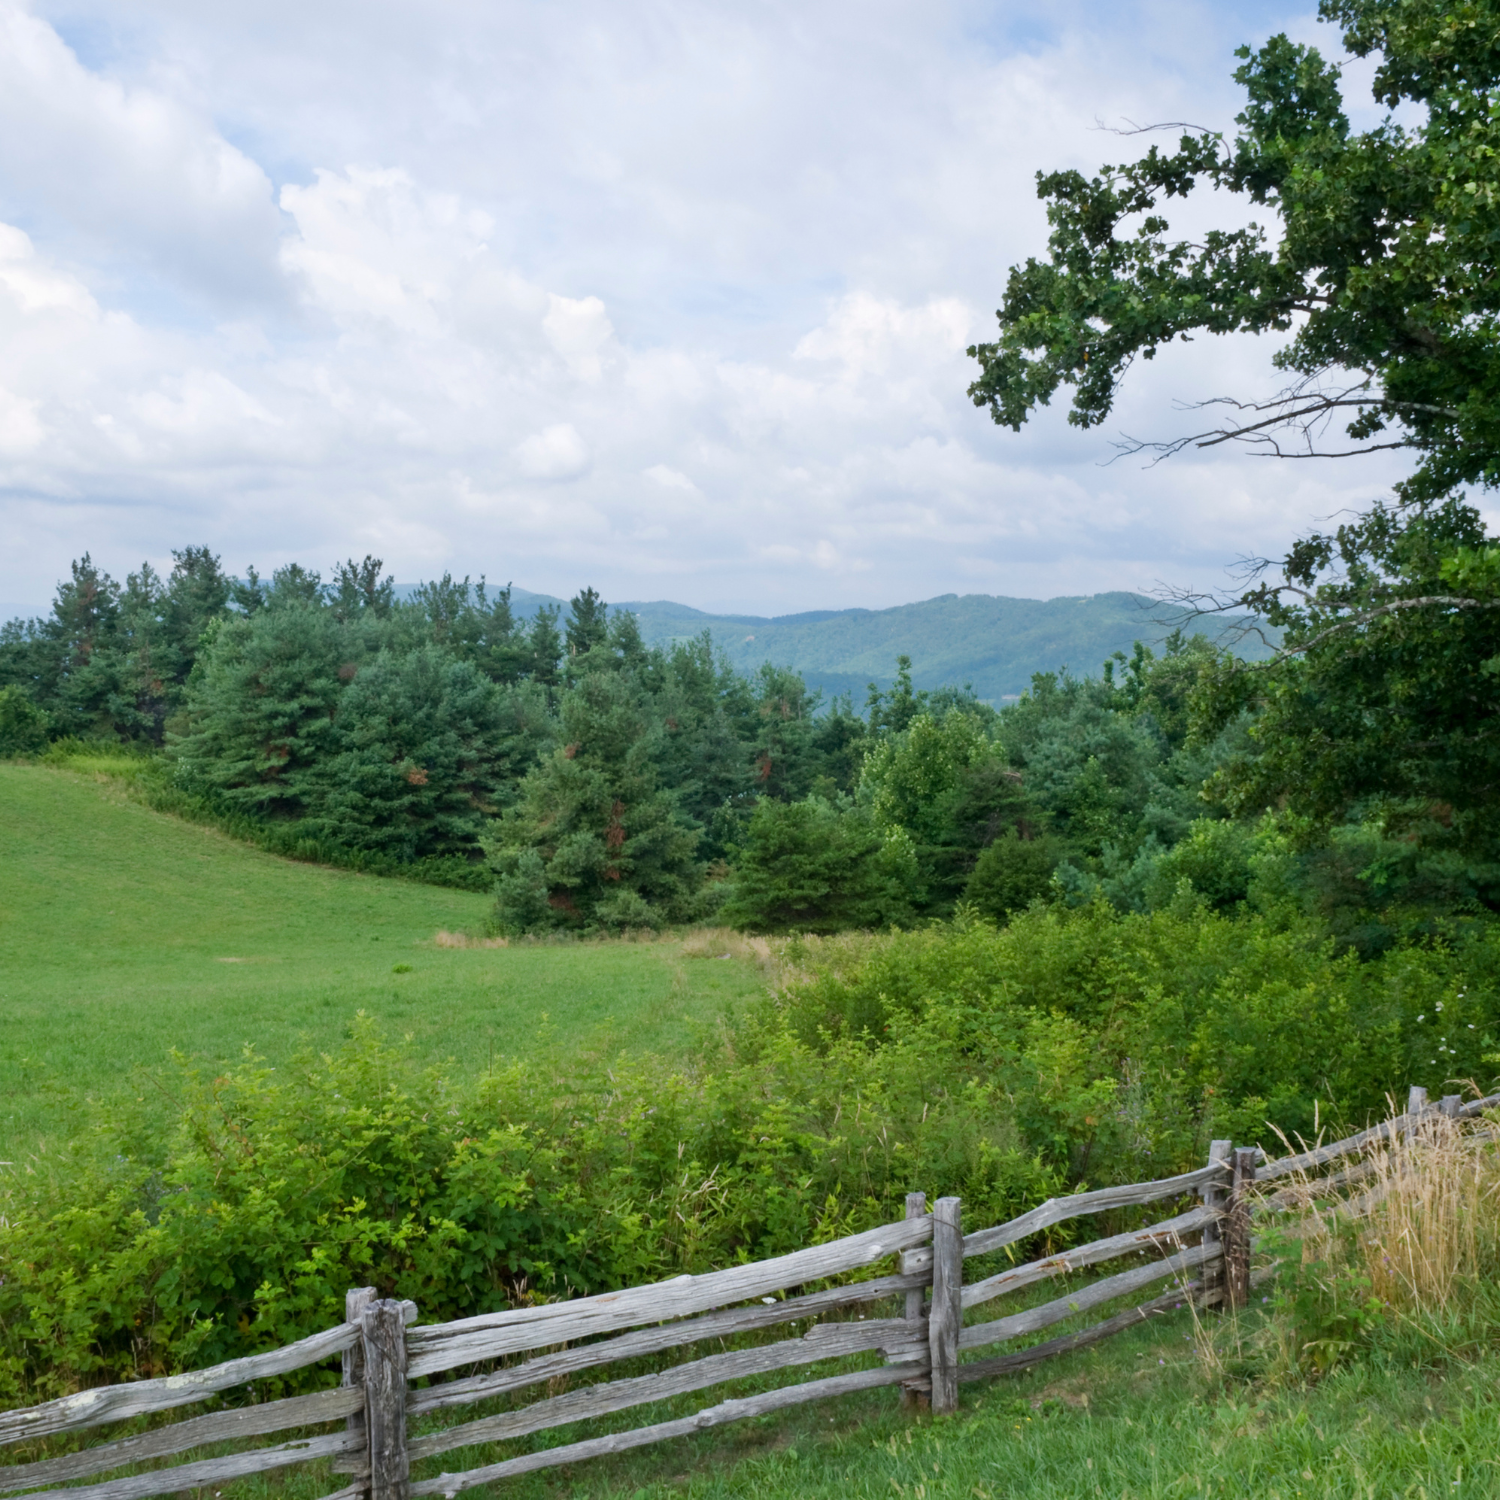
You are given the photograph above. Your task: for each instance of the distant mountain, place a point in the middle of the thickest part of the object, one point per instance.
(994, 644)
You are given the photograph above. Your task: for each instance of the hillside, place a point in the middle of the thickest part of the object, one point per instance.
(992, 643)
(125, 933)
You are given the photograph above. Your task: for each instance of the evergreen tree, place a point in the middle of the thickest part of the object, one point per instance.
(588, 627)
(816, 866)
(358, 588)
(613, 846)
(261, 709)
(544, 647)
(412, 767)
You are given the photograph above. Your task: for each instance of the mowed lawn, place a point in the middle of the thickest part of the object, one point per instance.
(125, 933)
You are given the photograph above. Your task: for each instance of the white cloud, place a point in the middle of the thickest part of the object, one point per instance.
(671, 479)
(128, 171)
(578, 329)
(21, 430)
(557, 452)
(741, 252)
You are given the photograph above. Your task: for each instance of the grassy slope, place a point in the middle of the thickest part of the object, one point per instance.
(125, 933)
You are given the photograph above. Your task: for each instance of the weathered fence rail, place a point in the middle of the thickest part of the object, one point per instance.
(1203, 1251)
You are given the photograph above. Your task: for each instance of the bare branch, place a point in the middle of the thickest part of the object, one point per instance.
(1146, 129)
(1345, 453)
(1305, 408)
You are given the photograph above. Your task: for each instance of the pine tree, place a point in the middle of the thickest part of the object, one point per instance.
(615, 849)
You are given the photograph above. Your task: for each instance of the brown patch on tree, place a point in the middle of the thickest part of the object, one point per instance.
(614, 839)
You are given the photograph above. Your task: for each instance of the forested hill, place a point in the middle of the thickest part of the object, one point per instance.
(993, 643)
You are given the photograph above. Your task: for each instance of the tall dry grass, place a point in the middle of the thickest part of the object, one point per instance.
(1418, 1215)
(1398, 1247)
(445, 939)
(785, 961)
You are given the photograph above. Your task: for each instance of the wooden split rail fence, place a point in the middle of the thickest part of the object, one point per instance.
(1202, 1253)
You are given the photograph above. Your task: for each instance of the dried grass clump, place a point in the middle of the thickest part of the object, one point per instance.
(1418, 1215)
(772, 956)
(466, 940)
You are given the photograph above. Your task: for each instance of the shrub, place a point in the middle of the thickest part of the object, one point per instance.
(23, 726)
(276, 1189)
(1011, 873)
(1212, 1024)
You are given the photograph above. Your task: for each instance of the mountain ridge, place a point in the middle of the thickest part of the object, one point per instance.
(991, 642)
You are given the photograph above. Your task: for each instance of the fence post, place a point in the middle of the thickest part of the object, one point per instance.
(1214, 1194)
(356, 1300)
(1451, 1105)
(1237, 1228)
(911, 1394)
(947, 1306)
(383, 1326)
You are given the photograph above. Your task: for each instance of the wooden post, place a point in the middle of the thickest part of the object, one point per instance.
(383, 1325)
(356, 1300)
(1214, 1196)
(947, 1306)
(1237, 1228)
(912, 1397)
(1451, 1105)
(1416, 1107)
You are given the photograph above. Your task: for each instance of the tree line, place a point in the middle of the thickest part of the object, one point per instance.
(599, 784)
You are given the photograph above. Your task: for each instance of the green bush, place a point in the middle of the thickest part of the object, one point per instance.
(1011, 873)
(1204, 1024)
(1006, 1066)
(279, 1188)
(23, 726)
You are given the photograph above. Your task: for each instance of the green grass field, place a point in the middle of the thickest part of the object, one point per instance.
(125, 933)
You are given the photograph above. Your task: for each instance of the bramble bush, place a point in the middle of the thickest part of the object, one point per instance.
(278, 1188)
(1205, 1024)
(1005, 1065)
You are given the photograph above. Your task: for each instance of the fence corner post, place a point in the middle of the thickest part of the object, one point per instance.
(1237, 1228)
(947, 1301)
(383, 1329)
(1451, 1106)
(1214, 1195)
(356, 1300)
(912, 1395)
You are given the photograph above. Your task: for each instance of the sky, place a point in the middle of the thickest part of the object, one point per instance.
(665, 297)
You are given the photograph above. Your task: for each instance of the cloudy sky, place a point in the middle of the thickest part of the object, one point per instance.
(666, 296)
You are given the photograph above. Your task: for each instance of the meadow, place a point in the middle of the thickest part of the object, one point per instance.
(126, 934)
